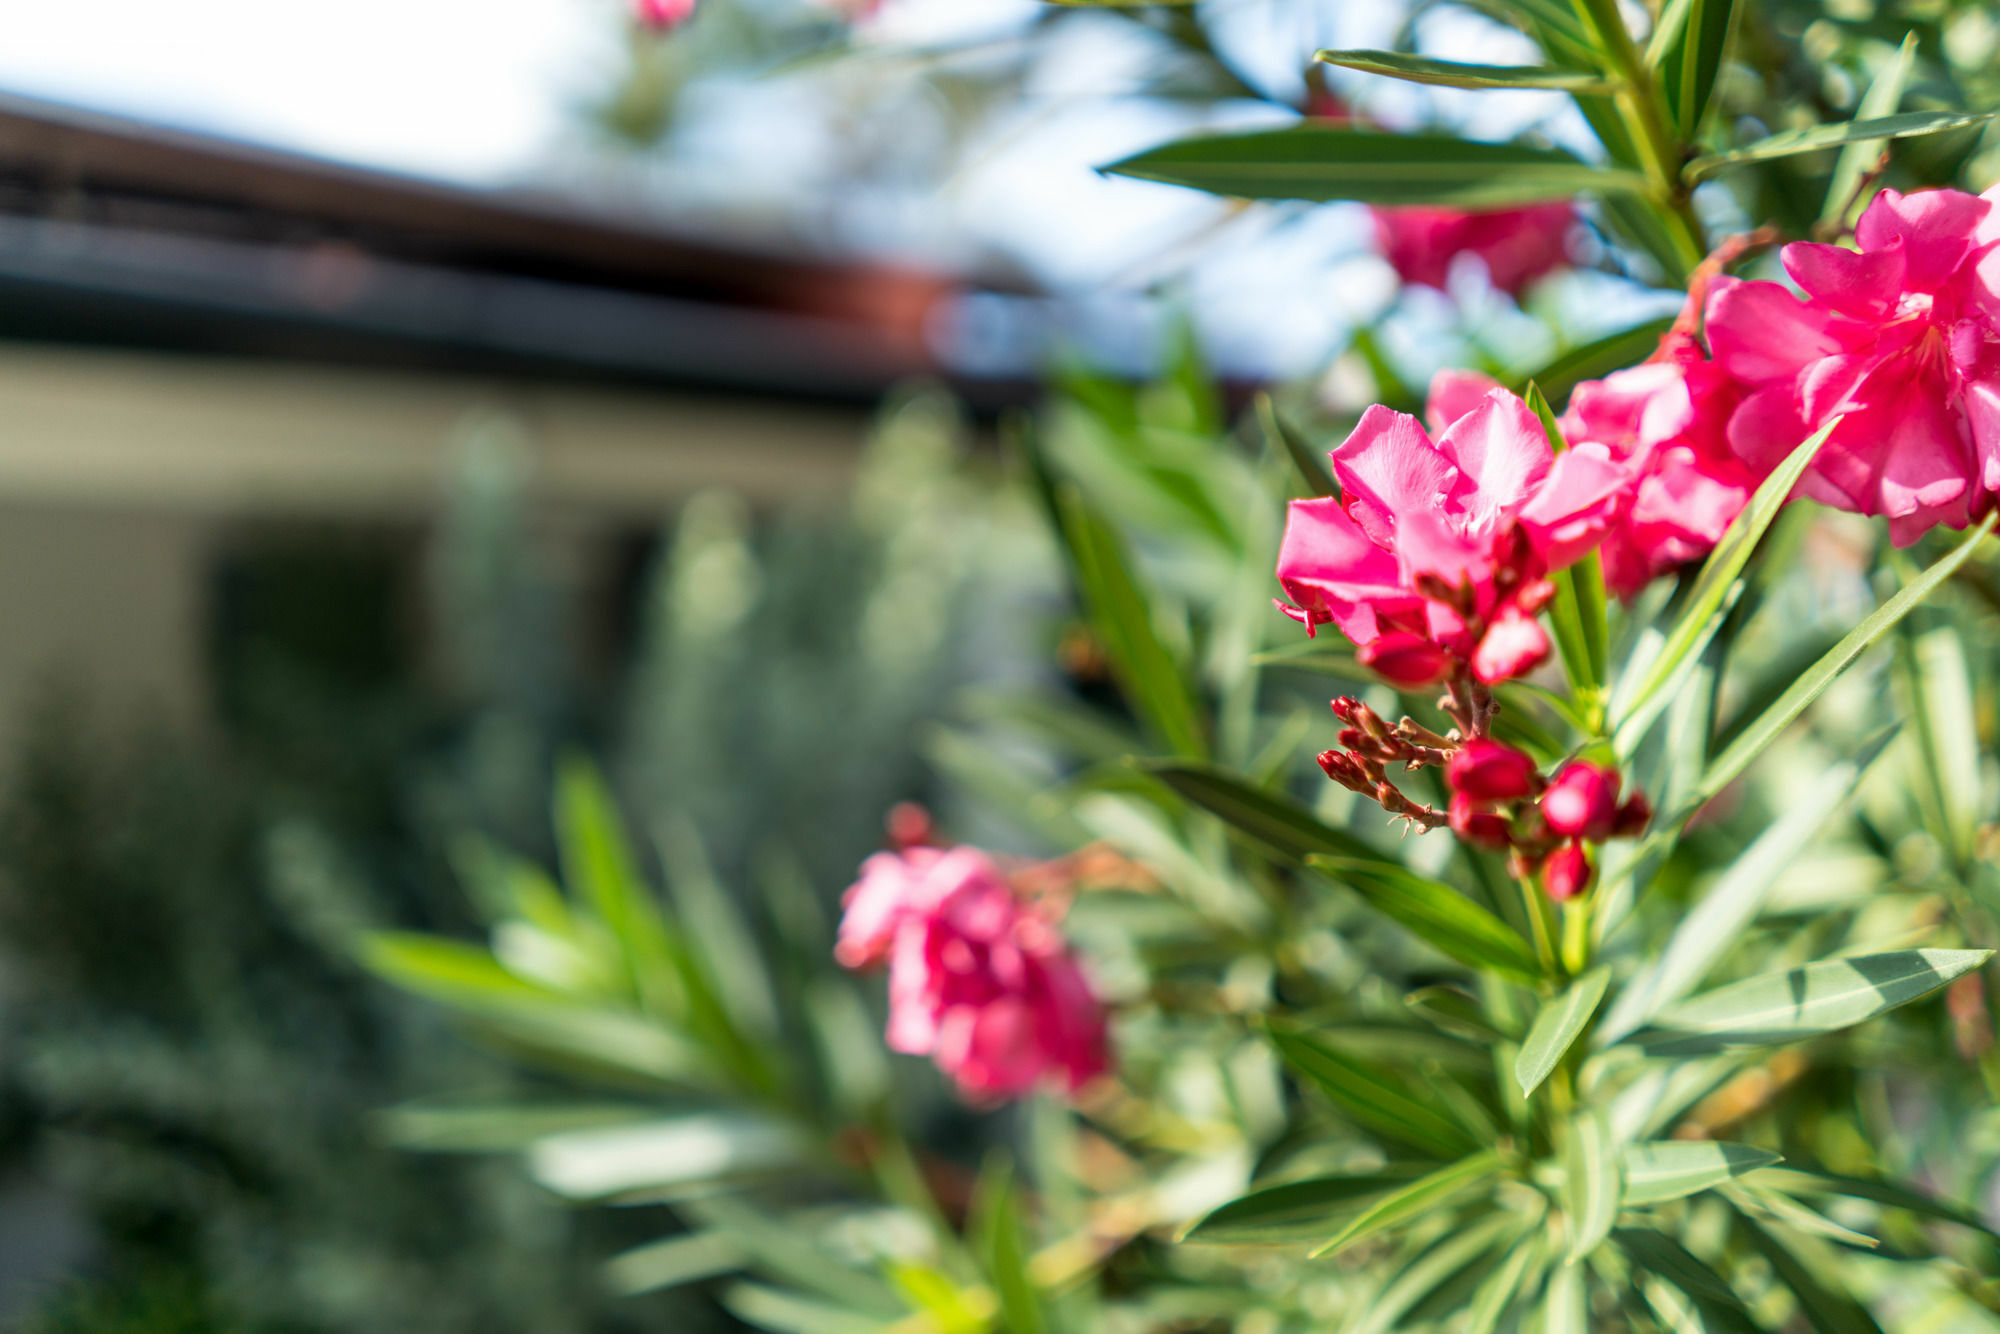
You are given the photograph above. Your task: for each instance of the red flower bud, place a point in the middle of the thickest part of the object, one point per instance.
(1405, 660)
(1582, 802)
(1633, 817)
(1342, 769)
(1566, 872)
(910, 826)
(1485, 829)
(1347, 708)
(1492, 771)
(1351, 738)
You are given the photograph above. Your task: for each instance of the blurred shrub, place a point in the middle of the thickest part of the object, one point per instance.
(187, 1045)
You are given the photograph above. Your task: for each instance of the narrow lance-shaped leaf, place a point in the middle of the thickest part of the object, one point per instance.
(997, 1237)
(1946, 732)
(1456, 74)
(1883, 97)
(1688, 66)
(1151, 678)
(1565, 1304)
(1729, 907)
(1790, 142)
(1556, 1028)
(1804, 1002)
(1325, 162)
(1702, 614)
(1756, 735)
(1592, 1182)
(1658, 1170)
(1827, 1311)
(1578, 612)
(1312, 469)
(1437, 914)
(1294, 1212)
(1437, 1266)
(1419, 1197)
(1596, 359)
(1371, 1096)
(1889, 1193)
(1276, 821)
(1502, 1287)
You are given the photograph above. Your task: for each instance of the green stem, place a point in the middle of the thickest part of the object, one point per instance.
(1644, 112)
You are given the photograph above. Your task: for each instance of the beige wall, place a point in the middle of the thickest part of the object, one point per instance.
(121, 473)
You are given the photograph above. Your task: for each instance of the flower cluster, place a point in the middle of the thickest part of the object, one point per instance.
(1433, 559)
(1900, 338)
(979, 980)
(1518, 246)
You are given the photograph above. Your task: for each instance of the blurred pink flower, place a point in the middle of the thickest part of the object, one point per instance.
(978, 980)
(1666, 420)
(1446, 543)
(1901, 335)
(1517, 245)
(1582, 801)
(661, 15)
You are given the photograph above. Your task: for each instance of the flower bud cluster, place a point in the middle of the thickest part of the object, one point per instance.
(1369, 745)
(1501, 801)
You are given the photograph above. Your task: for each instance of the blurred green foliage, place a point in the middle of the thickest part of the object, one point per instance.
(189, 1047)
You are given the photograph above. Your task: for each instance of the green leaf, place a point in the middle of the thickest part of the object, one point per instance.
(1279, 823)
(688, 1258)
(1592, 1185)
(1596, 359)
(1752, 739)
(1454, 74)
(1565, 1305)
(1750, 1199)
(1437, 914)
(784, 1249)
(550, 1025)
(1317, 479)
(1556, 1028)
(1896, 1196)
(779, 1311)
(1904, 126)
(1149, 675)
(1417, 1198)
(1827, 1311)
(1294, 1212)
(1947, 736)
(1324, 656)
(1688, 65)
(494, 1126)
(1657, 1253)
(1324, 162)
(1371, 1096)
(704, 1147)
(1857, 158)
(1455, 1012)
(1819, 998)
(597, 863)
(1578, 612)
(1501, 1287)
(1428, 1272)
(1719, 920)
(994, 1229)
(1668, 1169)
(1702, 615)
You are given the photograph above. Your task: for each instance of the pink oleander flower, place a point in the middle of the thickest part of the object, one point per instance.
(1566, 872)
(1902, 335)
(1433, 556)
(1517, 245)
(661, 15)
(1666, 421)
(1488, 770)
(978, 980)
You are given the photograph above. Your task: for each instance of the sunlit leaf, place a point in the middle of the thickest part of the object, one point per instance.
(1657, 1170)
(1297, 1211)
(1827, 1311)
(1701, 616)
(1817, 137)
(1311, 466)
(1858, 157)
(1592, 1182)
(1688, 65)
(1419, 1197)
(1818, 998)
(688, 1258)
(1456, 74)
(1556, 1028)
